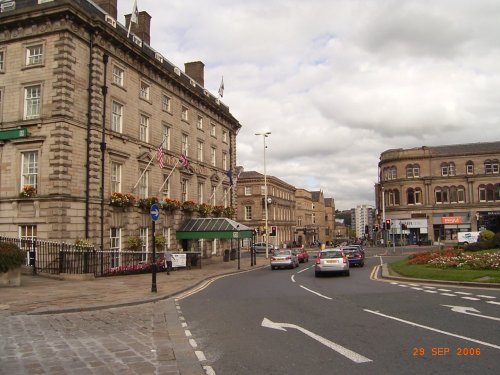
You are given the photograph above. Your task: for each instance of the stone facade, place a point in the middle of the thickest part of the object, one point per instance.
(281, 206)
(439, 191)
(97, 104)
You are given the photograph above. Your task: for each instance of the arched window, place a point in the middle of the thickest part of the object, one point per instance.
(442, 194)
(491, 166)
(461, 194)
(448, 169)
(410, 196)
(392, 197)
(469, 167)
(412, 171)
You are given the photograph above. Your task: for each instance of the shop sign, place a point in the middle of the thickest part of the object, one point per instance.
(451, 220)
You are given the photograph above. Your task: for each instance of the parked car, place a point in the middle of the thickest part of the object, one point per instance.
(260, 247)
(284, 258)
(330, 261)
(354, 256)
(302, 254)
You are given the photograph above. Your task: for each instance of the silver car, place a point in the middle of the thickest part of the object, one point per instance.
(284, 258)
(331, 260)
(260, 247)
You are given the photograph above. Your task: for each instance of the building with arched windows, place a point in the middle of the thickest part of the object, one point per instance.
(439, 191)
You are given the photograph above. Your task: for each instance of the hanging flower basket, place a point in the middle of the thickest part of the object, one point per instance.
(146, 203)
(122, 200)
(29, 191)
(229, 212)
(188, 206)
(171, 204)
(204, 209)
(134, 243)
(217, 211)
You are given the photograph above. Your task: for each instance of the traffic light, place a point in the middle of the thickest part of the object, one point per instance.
(376, 227)
(273, 231)
(387, 224)
(366, 229)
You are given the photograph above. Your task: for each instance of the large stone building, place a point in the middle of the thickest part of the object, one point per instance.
(280, 207)
(440, 191)
(84, 108)
(300, 216)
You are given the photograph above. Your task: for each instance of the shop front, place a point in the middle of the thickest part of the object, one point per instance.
(446, 227)
(410, 231)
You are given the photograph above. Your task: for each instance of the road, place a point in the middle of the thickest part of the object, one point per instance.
(289, 322)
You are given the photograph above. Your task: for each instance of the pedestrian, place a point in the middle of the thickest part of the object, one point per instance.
(168, 260)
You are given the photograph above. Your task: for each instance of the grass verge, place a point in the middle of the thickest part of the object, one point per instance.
(423, 271)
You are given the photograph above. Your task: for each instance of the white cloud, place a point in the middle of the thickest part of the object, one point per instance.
(339, 82)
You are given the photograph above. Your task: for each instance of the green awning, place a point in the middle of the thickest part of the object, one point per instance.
(213, 227)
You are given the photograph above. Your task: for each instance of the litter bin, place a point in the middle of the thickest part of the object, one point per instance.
(226, 255)
(194, 260)
(233, 254)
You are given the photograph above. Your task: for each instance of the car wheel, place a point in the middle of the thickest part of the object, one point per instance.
(316, 273)
(273, 268)
(347, 273)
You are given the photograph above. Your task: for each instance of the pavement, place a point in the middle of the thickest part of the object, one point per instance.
(44, 295)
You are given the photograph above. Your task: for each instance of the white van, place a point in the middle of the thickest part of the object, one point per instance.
(468, 237)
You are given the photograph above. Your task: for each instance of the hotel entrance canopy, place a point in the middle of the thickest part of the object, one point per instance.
(208, 228)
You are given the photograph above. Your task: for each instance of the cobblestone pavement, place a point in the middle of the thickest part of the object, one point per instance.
(104, 326)
(143, 339)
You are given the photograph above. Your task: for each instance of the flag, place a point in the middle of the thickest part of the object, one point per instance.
(229, 174)
(221, 87)
(184, 161)
(159, 156)
(134, 17)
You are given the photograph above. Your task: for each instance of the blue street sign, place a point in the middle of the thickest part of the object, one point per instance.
(154, 211)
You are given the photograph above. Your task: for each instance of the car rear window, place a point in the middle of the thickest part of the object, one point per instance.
(285, 252)
(330, 254)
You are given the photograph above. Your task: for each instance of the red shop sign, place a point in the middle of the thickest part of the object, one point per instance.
(451, 220)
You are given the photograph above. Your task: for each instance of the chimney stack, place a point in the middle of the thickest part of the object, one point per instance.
(109, 6)
(143, 26)
(196, 70)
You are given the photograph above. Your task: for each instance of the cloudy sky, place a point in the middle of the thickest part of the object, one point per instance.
(338, 82)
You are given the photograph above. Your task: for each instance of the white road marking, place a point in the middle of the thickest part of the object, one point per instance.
(493, 302)
(293, 278)
(318, 294)
(209, 370)
(471, 298)
(200, 355)
(464, 293)
(449, 294)
(403, 286)
(469, 311)
(193, 343)
(414, 284)
(381, 261)
(353, 356)
(394, 283)
(304, 269)
(187, 332)
(430, 291)
(483, 296)
(434, 329)
(184, 325)
(444, 290)
(416, 288)
(430, 287)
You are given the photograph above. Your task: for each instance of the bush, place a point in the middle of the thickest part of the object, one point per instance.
(11, 256)
(486, 235)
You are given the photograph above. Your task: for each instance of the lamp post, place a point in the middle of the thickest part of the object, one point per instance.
(383, 216)
(264, 136)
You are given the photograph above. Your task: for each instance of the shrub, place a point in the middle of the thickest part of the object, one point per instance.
(11, 256)
(135, 243)
(486, 235)
(146, 203)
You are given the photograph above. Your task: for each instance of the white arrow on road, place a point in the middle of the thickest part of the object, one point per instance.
(469, 311)
(353, 356)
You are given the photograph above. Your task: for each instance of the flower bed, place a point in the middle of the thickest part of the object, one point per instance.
(131, 269)
(454, 258)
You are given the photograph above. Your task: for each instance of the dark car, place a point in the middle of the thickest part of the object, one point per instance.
(302, 254)
(354, 256)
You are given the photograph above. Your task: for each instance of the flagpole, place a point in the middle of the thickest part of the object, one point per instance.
(172, 171)
(215, 190)
(147, 166)
(231, 186)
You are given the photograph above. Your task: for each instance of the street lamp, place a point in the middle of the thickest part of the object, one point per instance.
(264, 136)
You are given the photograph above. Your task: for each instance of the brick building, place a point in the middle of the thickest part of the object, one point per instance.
(440, 191)
(84, 107)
